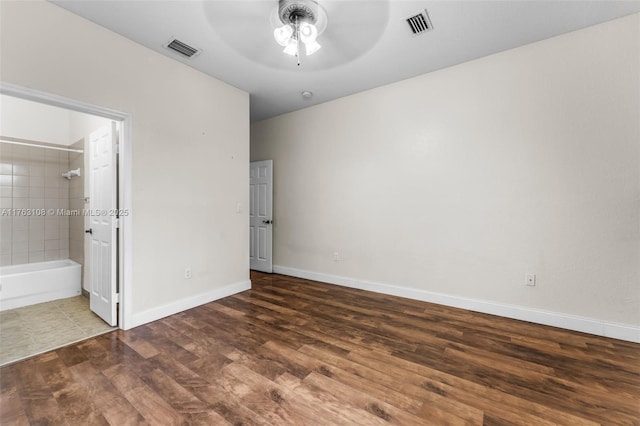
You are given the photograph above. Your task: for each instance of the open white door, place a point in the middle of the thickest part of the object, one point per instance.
(102, 223)
(260, 215)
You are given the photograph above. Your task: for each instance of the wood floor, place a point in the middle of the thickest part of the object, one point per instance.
(297, 352)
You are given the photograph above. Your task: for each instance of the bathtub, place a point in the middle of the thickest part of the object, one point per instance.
(23, 285)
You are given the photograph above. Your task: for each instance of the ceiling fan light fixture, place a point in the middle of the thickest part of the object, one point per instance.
(283, 35)
(308, 35)
(292, 47)
(303, 21)
(308, 32)
(312, 47)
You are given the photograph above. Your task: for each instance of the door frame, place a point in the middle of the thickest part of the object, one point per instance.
(125, 193)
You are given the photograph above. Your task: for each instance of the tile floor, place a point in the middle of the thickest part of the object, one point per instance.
(34, 329)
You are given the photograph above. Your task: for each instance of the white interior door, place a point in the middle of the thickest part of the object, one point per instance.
(102, 223)
(260, 215)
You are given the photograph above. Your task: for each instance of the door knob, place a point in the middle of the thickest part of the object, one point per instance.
(267, 221)
(88, 231)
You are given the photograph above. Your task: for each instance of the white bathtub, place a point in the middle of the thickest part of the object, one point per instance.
(23, 285)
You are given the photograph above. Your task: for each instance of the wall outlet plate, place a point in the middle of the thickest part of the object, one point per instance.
(530, 280)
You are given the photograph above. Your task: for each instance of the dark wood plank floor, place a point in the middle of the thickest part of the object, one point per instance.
(297, 352)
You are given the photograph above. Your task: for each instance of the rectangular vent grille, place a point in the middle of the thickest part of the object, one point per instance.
(420, 23)
(182, 48)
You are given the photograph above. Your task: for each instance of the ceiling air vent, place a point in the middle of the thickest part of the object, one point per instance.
(420, 23)
(182, 48)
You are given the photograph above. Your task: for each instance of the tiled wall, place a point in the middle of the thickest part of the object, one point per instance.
(31, 178)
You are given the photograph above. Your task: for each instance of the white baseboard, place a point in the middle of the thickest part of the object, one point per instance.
(555, 319)
(188, 303)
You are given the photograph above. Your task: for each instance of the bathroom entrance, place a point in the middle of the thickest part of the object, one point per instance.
(60, 219)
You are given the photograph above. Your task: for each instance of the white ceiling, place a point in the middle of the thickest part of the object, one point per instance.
(367, 43)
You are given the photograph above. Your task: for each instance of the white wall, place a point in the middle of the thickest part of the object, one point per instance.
(190, 148)
(82, 125)
(461, 181)
(22, 119)
(38, 122)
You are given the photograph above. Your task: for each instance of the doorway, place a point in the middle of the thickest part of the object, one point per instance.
(261, 216)
(117, 271)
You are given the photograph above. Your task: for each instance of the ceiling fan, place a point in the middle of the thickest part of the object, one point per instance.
(335, 32)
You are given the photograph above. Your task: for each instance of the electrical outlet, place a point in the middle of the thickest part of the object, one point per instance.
(187, 273)
(530, 280)
(336, 256)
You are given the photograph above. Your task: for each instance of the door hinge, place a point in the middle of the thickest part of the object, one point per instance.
(117, 148)
(119, 297)
(117, 223)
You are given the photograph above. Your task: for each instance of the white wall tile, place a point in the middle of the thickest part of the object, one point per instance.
(64, 234)
(6, 180)
(36, 245)
(6, 168)
(6, 225)
(51, 155)
(20, 181)
(51, 222)
(51, 245)
(21, 169)
(51, 170)
(52, 181)
(51, 233)
(50, 203)
(19, 246)
(21, 203)
(63, 222)
(52, 255)
(19, 237)
(6, 150)
(51, 192)
(19, 258)
(36, 223)
(23, 237)
(36, 256)
(36, 181)
(5, 244)
(64, 243)
(36, 203)
(36, 153)
(21, 192)
(36, 169)
(36, 192)
(20, 223)
(6, 191)
(20, 152)
(6, 203)
(63, 192)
